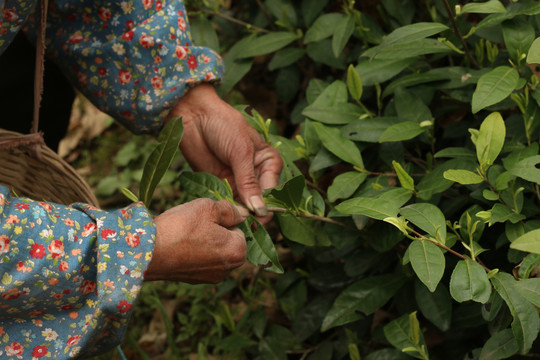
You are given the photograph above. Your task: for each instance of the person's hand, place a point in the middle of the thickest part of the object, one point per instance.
(197, 242)
(217, 139)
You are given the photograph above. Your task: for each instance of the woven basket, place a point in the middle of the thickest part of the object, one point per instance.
(47, 179)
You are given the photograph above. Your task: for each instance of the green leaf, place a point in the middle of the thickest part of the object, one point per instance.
(410, 33)
(455, 152)
(302, 231)
(533, 56)
(378, 71)
(500, 346)
(428, 262)
(526, 322)
(410, 107)
(529, 263)
(335, 114)
(344, 185)
(236, 70)
(501, 213)
(369, 129)
(494, 87)
(371, 207)
(436, 306)
(526, 169)
(333, 94)
(529, 242)
(469, 281)
(343, 148)
(434, 182)
(490, 139)
(463, 177)
(343, 31)
(488, 7)
(260, 248)
(530, 290)
(321, 52)
(204, 185)
(161, 158)
(402, 131)
(290, 192)
(285, 57)
(427, 217)
(518, 37)
(405, 179)
(364, 296)
(323, 27)
(397, 51)
(398, 333)
(204, 33)
(266, 44)
(354, 83)
(130, 195)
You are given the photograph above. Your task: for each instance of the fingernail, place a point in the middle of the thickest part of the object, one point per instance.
(243, 211)
(257, 205)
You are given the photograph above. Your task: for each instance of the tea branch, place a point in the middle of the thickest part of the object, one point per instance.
(458, 33)
(310, 216)
(236, 21)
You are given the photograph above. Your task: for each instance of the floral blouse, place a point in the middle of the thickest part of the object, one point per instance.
(69, 275)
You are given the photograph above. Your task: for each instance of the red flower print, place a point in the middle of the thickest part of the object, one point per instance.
(71, 17)
(209, 77)
(124, 76)
(11, 294)
(45, 206)
(159, 5)
(104, 13)
(129, 24)
(133, 240)
(102, 71)
(128, 35)
(67, 306)
(87, 287)
(56, 248)
(63, 266)
(36, 312)
(39, 351)
(157, 82)
(75, 38)
(124, 306)
(182, 52)
(73, 340)
(82, 80)
(146, 41)
(10, 15)
(4, 244)
(108, 233)
(192, 62)
(88, 229)
(182, 24)
(147, 3)
(22, 206)
(15, 349)
(37, 251)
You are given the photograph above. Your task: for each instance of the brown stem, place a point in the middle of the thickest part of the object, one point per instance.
(458, 33)
(234, 20)
(265, 13)
(312, 216)
(314, 186)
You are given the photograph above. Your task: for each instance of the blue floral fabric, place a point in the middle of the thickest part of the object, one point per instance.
(69, 275)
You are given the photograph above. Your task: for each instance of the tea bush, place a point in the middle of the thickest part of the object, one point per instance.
(409, 198)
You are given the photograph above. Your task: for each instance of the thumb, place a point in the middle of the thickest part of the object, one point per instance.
(248, 186)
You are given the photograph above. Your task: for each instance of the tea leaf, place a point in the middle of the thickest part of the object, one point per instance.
(343, 148)
(266, 44)
(405, 130)
(533, 56)
(323, 27)
(469, 281)
(490, 139)
(260, 248)
(428, 262)
(354, 83)
(371, 207)
(529, 242)
(500, 346)
(435, 306)
(463, 177)
(398, 333)
(343, 31)
(344, 185)
(405, 179)
(427, 217)
(494, 87)
(488, 7)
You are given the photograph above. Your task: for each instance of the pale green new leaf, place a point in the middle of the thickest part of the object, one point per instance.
(402, 131)
(371, 207)
(161, 158)
(463, 177)
(405, 179)
(427, 217)
(469, 281)
(354, 83)
(343, 148)
(500, 346)
(398, 333)
(488, 7)
(526, 322)
(529, 242)
(266, 44)
(365, 296)
(490, 139)
(428, 262)
(344, 185)
(533, 56)
(494, 87)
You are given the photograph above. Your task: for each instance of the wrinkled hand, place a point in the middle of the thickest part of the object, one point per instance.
(217, 139)
(197, 242)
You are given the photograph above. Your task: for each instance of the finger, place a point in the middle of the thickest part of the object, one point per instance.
(228, 215)
(269, 165)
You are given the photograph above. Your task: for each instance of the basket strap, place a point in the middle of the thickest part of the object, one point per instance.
(34, 140)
